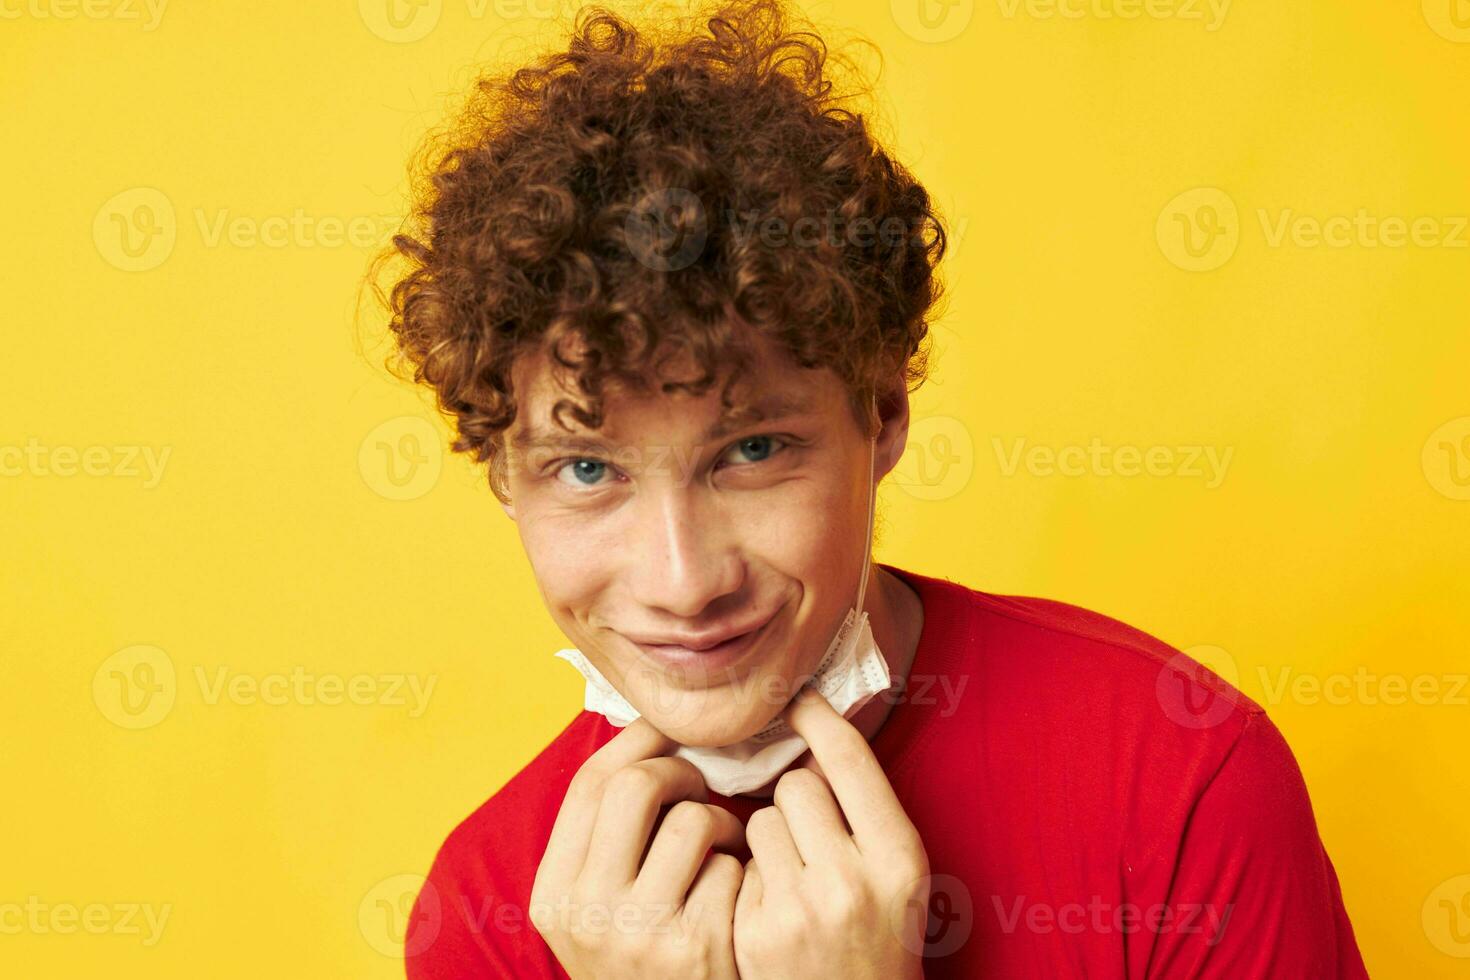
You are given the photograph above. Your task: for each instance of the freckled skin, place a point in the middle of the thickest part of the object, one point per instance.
(669, 531)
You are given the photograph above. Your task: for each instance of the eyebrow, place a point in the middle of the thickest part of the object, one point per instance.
(533, 438)
(777, 405)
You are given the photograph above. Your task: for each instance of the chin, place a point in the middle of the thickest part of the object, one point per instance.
(713, 725)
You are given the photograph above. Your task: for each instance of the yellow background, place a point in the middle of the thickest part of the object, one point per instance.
(279, 835)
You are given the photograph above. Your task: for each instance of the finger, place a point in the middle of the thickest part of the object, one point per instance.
(684, 837)
(812, 814)
(566, 848)
(808, 761)
(630, 805)
(771, 844)
(713, 895)
(751, 890)
(638, 740)
(879, 823)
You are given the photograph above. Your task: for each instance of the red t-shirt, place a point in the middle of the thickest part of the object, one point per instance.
(1092, 802)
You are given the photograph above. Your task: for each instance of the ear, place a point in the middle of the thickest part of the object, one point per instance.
(499, 481)
(893, 412)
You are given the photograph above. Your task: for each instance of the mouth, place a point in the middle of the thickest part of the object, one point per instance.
(723, 654)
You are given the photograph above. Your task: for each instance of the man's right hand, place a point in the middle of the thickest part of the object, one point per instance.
(609, 912)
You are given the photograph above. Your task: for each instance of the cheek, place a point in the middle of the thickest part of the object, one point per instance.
(570, 566)
(810, 532)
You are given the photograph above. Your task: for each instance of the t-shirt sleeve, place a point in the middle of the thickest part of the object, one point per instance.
(447, 937)
(469, 921)
(1254, 894)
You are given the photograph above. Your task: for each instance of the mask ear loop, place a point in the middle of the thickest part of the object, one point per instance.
(872, 500)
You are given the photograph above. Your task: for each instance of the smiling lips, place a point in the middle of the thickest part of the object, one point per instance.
(711, 649)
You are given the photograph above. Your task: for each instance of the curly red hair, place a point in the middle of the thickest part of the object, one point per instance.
(637, 198)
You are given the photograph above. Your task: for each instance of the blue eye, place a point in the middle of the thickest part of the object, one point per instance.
(583, 472)
(756, 448)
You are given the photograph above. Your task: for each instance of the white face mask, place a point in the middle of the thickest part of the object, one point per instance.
(851, 672)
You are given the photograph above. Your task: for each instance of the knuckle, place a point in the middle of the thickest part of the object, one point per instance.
(587, 785)
(721, 863)
(904, 876)
(543, 918)
(909, 846)
(631, 785)
(763, 820)
(690, 824)
(799, 919)
(897, 829)
(835, 909)
(796, 784)
(580, 940)
(690, 818)
(679, 762)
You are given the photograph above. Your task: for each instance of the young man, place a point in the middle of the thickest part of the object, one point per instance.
(677, 298)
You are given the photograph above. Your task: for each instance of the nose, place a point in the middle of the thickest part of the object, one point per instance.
(683, 557)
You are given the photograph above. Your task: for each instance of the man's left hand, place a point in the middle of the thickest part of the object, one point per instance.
(837, 884)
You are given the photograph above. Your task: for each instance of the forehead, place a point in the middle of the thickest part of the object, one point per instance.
(773, 386)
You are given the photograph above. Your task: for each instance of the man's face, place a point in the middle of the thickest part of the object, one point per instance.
(701, 564)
